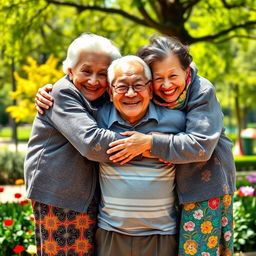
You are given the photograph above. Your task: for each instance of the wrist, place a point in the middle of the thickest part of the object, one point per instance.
(148, 142)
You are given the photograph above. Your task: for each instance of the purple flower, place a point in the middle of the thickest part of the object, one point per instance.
(251, 178)
(246, 191)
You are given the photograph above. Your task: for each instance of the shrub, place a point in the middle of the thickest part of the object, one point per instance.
(16, 227)
(245, 163)
(11, 167)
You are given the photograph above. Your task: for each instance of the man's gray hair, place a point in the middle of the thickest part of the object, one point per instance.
(127, 59)
(91, 43)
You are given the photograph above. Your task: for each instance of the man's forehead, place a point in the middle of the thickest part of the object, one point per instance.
(129, 69)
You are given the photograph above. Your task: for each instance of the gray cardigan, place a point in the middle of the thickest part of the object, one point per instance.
(203, 154)
(58, 170)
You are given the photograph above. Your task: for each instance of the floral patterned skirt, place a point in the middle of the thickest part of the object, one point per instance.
(206, 228)
(63, 232)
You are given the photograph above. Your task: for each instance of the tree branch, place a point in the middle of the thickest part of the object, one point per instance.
(223, 32)
(190, 4)
(235, 36)
(101, 9)
(231, 6)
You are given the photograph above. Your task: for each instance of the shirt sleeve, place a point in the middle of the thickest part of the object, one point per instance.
(203, 129)
(72, 116)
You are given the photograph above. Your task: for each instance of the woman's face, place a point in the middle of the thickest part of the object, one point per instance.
(89, 75)
(169, 78)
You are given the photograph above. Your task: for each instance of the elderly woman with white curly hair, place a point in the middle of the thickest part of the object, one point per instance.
(61, 177)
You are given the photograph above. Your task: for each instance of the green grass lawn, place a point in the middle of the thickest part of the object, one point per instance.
(23, 132)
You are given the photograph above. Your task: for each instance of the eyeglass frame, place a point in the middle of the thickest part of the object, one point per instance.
(131, 86)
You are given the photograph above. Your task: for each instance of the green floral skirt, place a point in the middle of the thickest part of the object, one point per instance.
(206, 228)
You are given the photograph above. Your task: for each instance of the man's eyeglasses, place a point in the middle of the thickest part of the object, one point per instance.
(123, 88)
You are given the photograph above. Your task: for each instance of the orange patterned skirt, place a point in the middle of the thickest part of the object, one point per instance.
(61, 232)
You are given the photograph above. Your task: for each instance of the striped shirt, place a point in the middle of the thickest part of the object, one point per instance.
(138, 198)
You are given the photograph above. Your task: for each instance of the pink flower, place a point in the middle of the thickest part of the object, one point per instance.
(205, 254)
(224, 221)
(189, 226)
(227, 235)
(245, 191)
(198, 214)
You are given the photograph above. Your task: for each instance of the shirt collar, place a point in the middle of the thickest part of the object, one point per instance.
(151, 114)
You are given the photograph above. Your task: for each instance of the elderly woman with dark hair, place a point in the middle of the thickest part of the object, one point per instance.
(60, 179)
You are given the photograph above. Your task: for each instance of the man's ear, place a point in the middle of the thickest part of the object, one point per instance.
(70, 73)
(110, 92)
(150, 86)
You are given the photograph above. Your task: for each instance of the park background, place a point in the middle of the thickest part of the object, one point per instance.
(35, 35)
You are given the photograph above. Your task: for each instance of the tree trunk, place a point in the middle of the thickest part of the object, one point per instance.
(240, 150)
(13, 123)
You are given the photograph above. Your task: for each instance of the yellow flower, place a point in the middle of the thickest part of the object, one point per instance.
(212, 241)
(31, 249)
(206, 227)
(19, 182)
(226, 200)
(190, 247)
(189, 206)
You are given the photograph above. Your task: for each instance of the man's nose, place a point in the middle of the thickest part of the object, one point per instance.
(131, 92)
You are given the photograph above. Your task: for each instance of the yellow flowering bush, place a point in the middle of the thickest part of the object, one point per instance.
(36, 76)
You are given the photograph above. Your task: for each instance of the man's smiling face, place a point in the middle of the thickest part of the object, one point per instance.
(131, 105)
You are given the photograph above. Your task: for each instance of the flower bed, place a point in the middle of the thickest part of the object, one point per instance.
(17, 226)
(245, 213)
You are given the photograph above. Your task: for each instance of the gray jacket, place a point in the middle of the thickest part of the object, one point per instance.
(203, 154)
(58, 170)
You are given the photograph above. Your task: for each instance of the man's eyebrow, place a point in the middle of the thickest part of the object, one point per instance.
(136, 80)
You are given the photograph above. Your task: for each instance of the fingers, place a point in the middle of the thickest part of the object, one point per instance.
(115, 147)
(42, 94)
(118, 156)
(39, 110)
(127, 133)
(126, 160)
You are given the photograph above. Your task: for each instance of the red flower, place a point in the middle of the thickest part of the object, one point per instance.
(23, 202)
(214, 203)
(17, 195)
(8, 222)
(1, 189)
(18, 249)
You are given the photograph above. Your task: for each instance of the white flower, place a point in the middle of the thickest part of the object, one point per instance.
(198, 214)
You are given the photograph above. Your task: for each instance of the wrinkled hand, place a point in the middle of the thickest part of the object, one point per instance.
(126, 149)
(43, 99)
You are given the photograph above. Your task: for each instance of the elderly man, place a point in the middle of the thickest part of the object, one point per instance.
(136, 214)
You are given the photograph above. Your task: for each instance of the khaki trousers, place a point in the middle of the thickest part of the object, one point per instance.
(110, 243)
